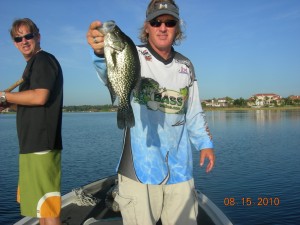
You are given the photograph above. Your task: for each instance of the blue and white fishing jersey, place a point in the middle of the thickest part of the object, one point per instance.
(168, 118)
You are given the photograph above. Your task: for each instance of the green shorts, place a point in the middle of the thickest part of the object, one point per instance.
(39, 184)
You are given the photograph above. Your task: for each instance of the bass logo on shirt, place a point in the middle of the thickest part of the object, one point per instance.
(157, 98)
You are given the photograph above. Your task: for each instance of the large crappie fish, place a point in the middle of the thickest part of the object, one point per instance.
(123, 70)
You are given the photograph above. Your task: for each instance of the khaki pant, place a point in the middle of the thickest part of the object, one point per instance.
(141, 204)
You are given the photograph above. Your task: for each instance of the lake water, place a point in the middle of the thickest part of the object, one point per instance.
(255, 181)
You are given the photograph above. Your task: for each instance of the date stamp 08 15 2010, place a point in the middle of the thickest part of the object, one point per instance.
(246, 201)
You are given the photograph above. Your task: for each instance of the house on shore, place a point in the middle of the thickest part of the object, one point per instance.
(219, 102)
(255, 101)
(268, 99)
(295, 99)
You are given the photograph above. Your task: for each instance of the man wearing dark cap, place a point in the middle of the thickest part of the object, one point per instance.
(155, 172)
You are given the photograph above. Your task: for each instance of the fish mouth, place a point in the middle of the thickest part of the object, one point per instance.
(107, 26)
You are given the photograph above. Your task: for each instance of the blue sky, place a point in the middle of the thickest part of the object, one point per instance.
(238, 47)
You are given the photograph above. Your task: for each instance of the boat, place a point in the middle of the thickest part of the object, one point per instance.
(93, 204)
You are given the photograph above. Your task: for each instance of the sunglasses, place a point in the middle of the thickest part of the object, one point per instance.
(168, 23)
(27, 37)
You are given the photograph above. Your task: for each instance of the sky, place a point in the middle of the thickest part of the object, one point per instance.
(238, 47)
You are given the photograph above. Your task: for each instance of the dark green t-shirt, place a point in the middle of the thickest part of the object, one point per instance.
(39, 127)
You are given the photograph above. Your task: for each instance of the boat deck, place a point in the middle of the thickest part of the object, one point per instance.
(74, 214)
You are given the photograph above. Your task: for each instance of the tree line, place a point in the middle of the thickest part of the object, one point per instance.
(241, 102)
(90, 108)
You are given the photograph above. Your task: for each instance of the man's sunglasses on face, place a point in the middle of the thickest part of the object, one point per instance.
(27, 37)
(158, 23)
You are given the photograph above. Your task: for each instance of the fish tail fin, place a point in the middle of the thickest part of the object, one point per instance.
(125, 117)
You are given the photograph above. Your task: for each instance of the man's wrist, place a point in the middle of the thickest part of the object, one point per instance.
(3, 100)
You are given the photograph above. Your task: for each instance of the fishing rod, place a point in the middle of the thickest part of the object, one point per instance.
(16, 84)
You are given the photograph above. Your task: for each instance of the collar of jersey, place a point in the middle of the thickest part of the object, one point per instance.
(158, 57)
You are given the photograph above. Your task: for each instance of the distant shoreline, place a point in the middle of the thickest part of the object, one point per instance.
(114, 109)
(250, 108)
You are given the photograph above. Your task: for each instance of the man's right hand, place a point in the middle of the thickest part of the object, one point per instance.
(95, 38)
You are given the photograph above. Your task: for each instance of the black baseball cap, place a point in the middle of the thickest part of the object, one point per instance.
(162, 8)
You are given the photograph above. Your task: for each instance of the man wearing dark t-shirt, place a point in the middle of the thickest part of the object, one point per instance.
(39, 118)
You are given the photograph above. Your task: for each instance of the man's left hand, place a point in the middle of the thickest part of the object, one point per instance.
(210, 155)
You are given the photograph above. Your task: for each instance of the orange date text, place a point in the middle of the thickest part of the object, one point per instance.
(246, 201)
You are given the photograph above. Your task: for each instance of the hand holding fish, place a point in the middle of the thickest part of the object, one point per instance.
(123, 65)
(95, 38)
